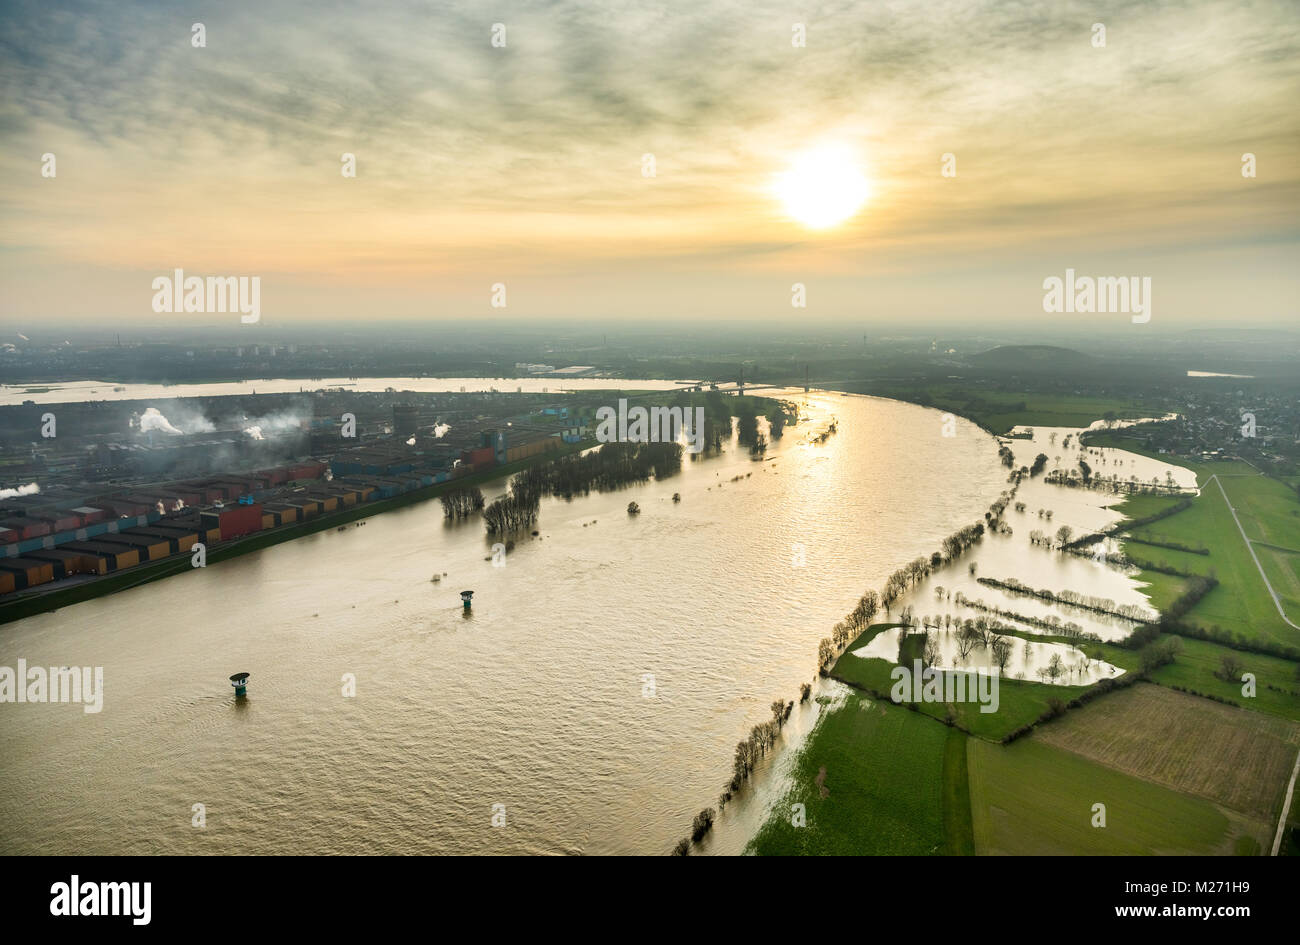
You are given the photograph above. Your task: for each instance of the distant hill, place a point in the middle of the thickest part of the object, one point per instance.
(1033, 358)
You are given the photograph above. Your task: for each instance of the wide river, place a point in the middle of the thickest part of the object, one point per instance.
(60, 392)
(596, 692)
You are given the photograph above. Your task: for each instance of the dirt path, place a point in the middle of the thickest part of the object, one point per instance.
(1251, 548)
(1286, 806)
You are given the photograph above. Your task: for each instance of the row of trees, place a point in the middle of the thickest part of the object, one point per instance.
(612, 466)
(848, 629)
(957, 544)
(1084, 478)
(1071, 631)
(1086, 601)
(748, 754)
(751, 750)
(1063, 536)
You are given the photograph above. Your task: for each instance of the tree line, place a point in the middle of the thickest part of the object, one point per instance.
(612, 466)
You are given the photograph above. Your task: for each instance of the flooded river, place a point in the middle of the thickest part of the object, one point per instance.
(589, 703)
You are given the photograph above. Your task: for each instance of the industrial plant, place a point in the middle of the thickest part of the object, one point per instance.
(120, 484)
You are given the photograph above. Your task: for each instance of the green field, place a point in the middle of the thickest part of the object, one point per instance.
(1019, 702)
(1000, 411)
(1277, 690)
(1283, 570)
(1143, 504)
(958, 827)
(1268, 510)
(1163, 589)
(1241, 603)
(889, 784)
(1042, 410)
(1028, 798)
(1177, 775)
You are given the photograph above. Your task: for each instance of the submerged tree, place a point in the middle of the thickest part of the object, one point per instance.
(459, 503)
(511, 513)
(1001, 648)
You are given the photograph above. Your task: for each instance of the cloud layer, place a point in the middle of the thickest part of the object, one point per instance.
(522, 164)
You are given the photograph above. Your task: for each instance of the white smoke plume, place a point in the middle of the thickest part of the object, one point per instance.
(184, 418)
(30, 489)
(152, 419)
(281, 421)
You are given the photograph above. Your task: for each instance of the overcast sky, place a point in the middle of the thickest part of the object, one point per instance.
(523, 164)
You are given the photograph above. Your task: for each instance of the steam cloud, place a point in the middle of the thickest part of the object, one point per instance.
(151, 419)
(183, 419)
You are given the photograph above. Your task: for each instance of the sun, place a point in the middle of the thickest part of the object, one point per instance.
(822, 187)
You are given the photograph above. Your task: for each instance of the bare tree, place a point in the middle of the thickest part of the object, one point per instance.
(1001, 648)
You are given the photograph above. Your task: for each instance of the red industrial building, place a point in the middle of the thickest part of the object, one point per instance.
(234, 520)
